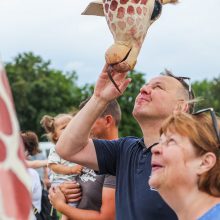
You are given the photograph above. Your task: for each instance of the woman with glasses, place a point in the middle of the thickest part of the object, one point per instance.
(186, 165)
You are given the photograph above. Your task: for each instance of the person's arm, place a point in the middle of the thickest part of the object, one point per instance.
(74, 143)
(107, 211)
(36, 163)
(65, 170)
(46, 180)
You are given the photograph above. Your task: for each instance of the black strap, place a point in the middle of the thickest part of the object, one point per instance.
(36, 213)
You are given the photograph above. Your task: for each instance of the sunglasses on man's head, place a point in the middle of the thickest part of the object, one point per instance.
(214, 120)
(182, 80)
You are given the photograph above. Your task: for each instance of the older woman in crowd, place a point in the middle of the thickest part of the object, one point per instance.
(186, 165)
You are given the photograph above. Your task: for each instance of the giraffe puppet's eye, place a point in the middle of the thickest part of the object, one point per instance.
(157, 10)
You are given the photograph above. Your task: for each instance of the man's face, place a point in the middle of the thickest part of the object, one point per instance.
(98, 129)
(157, 98)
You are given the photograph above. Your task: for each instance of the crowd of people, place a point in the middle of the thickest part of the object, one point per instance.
(93, 195)
(172, 172)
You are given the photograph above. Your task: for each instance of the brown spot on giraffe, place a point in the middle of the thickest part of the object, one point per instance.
(123, 1)
(121, 12)
(144, 2)
(135, 1)
(113, 5)
(3, 151)
(106, 7)
(139, 10)
(130, 10)
(6, 128)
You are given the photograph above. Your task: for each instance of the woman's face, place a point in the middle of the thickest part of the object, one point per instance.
(174, 163)
(61, 123)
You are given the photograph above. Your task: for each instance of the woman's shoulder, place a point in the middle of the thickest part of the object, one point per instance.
(212, 214)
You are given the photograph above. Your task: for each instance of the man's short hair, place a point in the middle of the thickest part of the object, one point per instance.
(187, 89)
(113, 109)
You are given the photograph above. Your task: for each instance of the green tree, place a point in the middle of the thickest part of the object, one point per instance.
(216, 94)
(129, 126)
(208, 91)
(39, 89)
(87, 91)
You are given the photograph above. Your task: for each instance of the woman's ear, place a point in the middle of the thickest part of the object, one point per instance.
(208, 160)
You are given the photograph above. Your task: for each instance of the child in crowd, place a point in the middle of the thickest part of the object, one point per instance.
(61, 170)
(34, 158)
(30, 139)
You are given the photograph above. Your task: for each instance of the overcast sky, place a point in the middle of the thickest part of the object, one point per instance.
(185, 39)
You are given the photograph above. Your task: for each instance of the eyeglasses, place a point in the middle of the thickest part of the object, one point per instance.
(214, 120)
(182, 80)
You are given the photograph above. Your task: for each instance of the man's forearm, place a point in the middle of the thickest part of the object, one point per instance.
(76, 135)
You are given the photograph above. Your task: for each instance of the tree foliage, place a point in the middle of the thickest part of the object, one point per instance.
(129, 125)
(39, 90)
(209, 92)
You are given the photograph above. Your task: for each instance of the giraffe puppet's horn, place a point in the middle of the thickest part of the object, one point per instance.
(94, 8)
(168, 1)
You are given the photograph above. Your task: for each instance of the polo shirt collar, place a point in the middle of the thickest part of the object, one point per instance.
(141, 143)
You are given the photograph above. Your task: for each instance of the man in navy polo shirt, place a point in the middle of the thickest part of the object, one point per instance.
(128, 158)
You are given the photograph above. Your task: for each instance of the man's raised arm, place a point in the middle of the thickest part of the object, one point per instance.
(74, 143)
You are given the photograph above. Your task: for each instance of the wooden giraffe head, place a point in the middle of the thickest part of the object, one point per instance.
(128, 21)
(15, 197)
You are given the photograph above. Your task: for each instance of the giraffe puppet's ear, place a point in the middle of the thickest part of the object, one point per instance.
(94, 8)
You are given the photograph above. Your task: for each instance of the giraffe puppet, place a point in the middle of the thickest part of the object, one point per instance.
(15, 185)
(128, 21)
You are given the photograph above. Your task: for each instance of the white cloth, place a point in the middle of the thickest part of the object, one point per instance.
(36, 190)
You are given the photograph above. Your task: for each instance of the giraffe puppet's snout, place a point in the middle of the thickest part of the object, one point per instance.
(117, 55)
(128, 21)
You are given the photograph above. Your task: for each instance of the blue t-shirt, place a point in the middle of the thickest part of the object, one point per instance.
(130, 161)
(212, 214)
